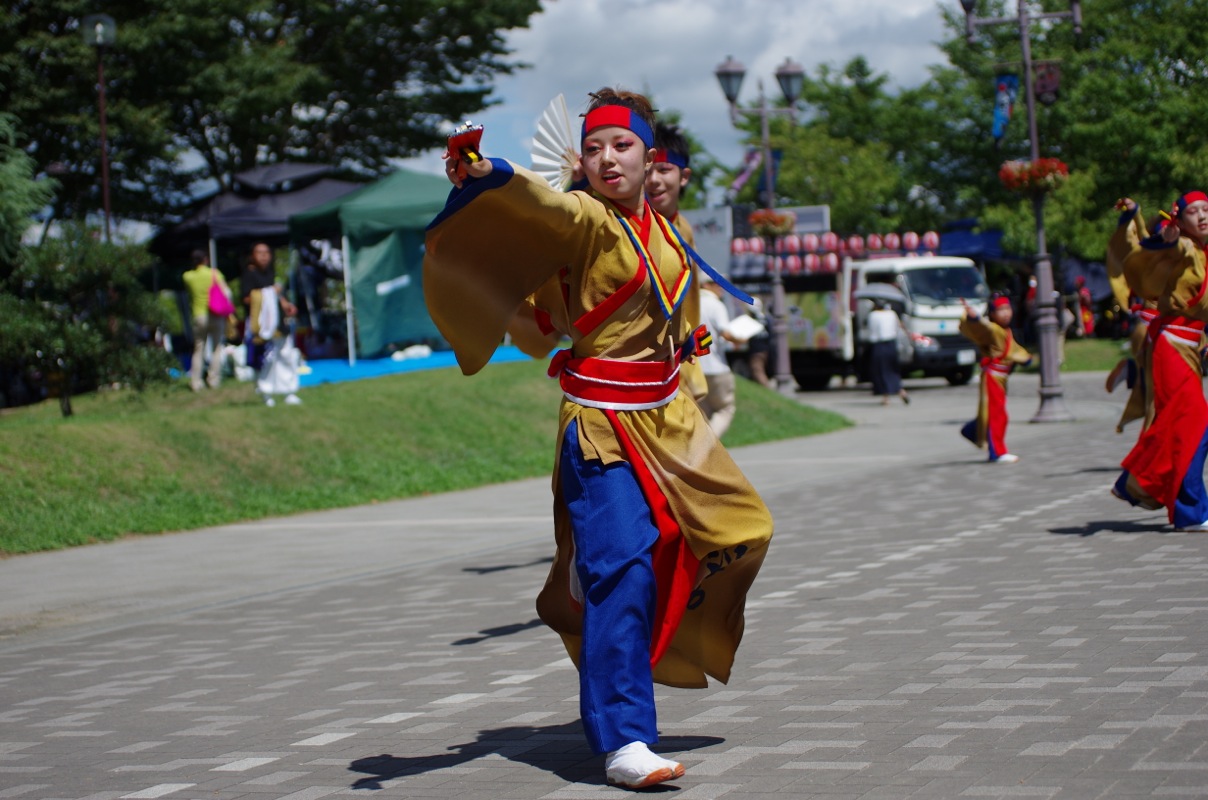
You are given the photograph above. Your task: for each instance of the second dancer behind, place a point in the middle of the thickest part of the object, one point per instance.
(1166, 466)
(658, 534)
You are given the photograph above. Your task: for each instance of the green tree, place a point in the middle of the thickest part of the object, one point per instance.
(21, 197)
(850, 177)
(75, 310)
(881, 161)
(1126, 121)
(201, 89)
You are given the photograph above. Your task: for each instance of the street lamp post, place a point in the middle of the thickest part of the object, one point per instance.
(100, 31)
(1052, 401)
(791, 77)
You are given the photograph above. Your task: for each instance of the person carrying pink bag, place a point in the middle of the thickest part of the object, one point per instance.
(207, 289)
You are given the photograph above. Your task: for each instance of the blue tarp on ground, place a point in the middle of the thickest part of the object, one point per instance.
(332, 370)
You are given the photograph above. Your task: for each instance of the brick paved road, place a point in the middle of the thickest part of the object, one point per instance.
(927, 626)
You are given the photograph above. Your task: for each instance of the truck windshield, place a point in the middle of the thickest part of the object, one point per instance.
(944, 285)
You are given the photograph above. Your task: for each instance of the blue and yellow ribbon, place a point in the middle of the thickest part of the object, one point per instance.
(668, 299)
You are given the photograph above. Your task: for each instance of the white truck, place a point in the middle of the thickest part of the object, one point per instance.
(827, 318)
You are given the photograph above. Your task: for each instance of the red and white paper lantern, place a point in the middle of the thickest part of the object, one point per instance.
(910, 241)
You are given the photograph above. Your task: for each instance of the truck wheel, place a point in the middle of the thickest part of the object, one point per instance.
(813, 381)
(959, 377)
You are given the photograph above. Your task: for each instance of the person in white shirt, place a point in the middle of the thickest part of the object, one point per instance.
(719, 404)
(883, 327)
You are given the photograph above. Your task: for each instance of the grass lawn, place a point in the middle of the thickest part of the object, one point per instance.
(171, 460)
(1088, 355)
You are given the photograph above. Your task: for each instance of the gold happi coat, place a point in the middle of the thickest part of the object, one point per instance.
(1127, 238)
(1170, 277)
(994, 342)
(1173, 276)
(510, 248)
(692, 379)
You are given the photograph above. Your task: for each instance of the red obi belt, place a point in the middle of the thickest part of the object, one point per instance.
(1178, 329)
(617, 385)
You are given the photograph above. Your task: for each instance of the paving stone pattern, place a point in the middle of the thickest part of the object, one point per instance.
(926, 626)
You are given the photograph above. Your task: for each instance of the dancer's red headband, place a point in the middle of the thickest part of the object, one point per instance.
(1181, 204)
(606, 116)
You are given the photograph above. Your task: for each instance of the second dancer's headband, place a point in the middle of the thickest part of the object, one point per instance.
(663, 155)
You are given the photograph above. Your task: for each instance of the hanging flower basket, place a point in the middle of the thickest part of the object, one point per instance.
(1033, 177)
(766, 222)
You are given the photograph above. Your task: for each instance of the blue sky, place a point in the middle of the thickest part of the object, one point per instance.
(670, 48)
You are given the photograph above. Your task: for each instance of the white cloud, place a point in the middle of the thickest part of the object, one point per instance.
(670, 48)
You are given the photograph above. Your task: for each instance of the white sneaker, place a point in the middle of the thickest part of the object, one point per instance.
(1005, 458)
(635, 767)
(293, 400)
(1201, 528)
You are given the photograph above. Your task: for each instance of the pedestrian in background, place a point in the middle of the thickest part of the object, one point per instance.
(759, 346)
(720, 403)
(209, 328)
(884, 327)
(265, 303)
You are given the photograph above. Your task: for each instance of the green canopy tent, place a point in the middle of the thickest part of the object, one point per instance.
(381, 230)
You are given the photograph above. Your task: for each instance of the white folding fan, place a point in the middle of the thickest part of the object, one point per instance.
(555, 148)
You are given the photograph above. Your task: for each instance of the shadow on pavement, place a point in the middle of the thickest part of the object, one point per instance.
(1113, 526)
(502, 630)
(505, 567)
(558, 749)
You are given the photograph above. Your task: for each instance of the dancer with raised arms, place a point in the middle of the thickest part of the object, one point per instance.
(658, 534)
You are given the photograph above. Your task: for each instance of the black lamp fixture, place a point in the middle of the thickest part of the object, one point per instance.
(730, 74)
(791, 77)
(99, 30)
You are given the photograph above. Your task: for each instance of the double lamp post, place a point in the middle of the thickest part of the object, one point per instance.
(1052, 402)
(100, 31)
(791, 78)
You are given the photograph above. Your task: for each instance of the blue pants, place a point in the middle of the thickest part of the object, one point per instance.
(1191, 504)
(613, 535)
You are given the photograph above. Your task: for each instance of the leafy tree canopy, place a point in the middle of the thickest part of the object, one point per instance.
(1126, 121)
(201, 89)
(75, 311)
(21, 196)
